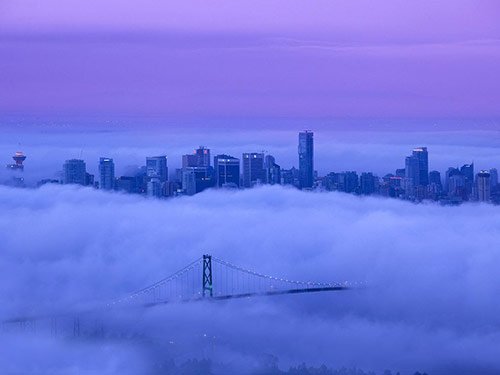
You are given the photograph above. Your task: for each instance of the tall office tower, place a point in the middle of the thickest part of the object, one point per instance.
(75, 172)
(227, 171)
(468, 172)
(423, 165)
(493, 177)
(19, 159)
(189, 181)
(156, 167)
(330, 181)
(450, 172)
(483, 186)
(367, 183)
(253, 169)
(290, 177)
(435, 178)
(90, 180)
(107, 173)
(306, 159)
(273, 171)
(203, 156)
(457, 186)
(412, 170)
(199, 158)
(351, 182)
(157, 174)
(189, 160)
(435, 184)
(155, 188)
(128, 184)
(197, 179)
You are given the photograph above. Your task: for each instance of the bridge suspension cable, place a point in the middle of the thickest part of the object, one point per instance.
(221, 279)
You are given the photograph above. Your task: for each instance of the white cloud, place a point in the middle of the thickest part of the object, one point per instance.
(432, 275)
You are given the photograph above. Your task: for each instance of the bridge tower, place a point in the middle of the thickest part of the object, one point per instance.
(207, 275)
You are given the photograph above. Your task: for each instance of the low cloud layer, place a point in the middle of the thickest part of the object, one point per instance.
(431, 271)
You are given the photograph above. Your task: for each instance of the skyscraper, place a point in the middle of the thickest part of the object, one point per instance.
(199, 158)
(189, 181)
(273, 170)
(203, 156)
(227, 171)
(435, 178)
(290, 177)
(467, 171)
(107, 173)
(367, 183)
(417, 173)
(412, 175)
(156, 167)
(421, 154)
(75, 172)
(493, 177)
(483, 186)
(449, 173)
(128, 184)
(306, 159)
(253, 169)
(197, 179)
(456, 184)
(435, 184)
(157, 173)
(351, 182)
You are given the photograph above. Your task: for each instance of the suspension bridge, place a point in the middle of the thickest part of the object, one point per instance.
(208, 278)
(220, 280)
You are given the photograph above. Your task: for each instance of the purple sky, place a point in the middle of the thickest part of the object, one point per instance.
(356, 59)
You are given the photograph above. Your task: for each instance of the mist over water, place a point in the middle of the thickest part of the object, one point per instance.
(429, 305)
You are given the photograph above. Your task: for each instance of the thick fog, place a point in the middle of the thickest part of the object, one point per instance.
(431, 273)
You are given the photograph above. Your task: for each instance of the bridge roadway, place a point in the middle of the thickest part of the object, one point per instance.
(178, 288)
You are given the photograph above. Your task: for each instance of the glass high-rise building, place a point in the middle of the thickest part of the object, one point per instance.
(156, 167)
(199, 158)
(306, 159)
(483, 186)
(367, 183)
(493, 177)
(422, 156)
(435, 178)
(197, 179)
(227, 171)
(75, 172)
(107, 173)
(157, 175)
(253, 169)
(273, 170)
(412, 170)
(467, 171)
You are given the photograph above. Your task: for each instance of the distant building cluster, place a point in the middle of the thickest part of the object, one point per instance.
(414, 182)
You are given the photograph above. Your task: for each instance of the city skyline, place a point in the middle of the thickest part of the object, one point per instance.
(414, 182)
(251, 187)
